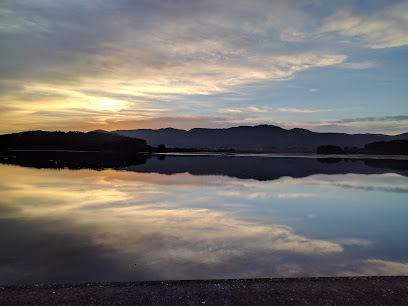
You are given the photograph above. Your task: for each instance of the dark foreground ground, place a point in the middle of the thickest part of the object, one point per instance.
(295, 291)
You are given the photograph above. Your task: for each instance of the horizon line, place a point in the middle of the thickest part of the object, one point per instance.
(203, 128)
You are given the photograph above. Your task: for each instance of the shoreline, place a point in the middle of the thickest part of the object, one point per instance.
(288, 155)
(372, 290)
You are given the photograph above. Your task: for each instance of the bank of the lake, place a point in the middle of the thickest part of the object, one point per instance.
(289, 291)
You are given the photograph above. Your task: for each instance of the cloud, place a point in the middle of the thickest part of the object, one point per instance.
(370, 119)
(383, 29)
(391, 125)
(257, 195)
(356, 241)
(237, 98)
(257, 110)
(242, 110)
(176, 54)
(393, 183)
(291, 34)
(374, 128)
(358, 65)
(229, 193)
(230, 111)
(313, 89)
(297, 195)
(61, 54)
(298, 110)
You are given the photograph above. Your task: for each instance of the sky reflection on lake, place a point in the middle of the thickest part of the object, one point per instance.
(121, 225)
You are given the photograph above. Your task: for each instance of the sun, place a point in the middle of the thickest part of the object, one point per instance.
(110, 105)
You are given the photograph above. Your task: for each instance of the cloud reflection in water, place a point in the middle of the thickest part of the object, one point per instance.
(62, 226)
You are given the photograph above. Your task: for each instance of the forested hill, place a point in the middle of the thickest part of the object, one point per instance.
(267, 138)
(77, 141)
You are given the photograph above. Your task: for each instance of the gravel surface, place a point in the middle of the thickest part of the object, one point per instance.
(290, 291)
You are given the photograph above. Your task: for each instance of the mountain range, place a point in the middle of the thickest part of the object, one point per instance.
(260, 138)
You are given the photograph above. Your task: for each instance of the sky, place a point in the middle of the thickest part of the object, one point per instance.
(324, 65)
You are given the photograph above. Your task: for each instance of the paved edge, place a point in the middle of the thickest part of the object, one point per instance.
(377, 290)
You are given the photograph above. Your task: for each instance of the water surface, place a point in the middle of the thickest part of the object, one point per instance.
(202, 217)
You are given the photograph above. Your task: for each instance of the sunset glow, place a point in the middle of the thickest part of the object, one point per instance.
(86, 65)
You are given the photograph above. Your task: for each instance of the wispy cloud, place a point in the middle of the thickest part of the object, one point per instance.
(242, 110)
(230, 111)
(357, 65)
(371, 119)
(257, 110)
(393, 183)
(391, 125)
(382, 29)
(256, 195)
(229, 193)
(355, 241)
(298, 110)
(236, 98)
(297, 195)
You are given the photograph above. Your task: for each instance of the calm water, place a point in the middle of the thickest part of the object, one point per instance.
(204, 217)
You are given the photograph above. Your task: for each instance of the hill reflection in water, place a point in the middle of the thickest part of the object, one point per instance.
(244, 167)
(268, 168)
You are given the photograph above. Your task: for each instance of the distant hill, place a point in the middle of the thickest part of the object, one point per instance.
(76, 141)
(266, 138)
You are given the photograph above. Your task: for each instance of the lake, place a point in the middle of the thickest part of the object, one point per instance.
(204, 217)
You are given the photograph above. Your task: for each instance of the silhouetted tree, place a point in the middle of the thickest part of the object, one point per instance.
(330, 149)
(399, 146)
(161, 148)
(161, 157)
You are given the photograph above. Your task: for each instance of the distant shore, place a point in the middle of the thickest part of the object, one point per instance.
(376, 290)
(298, 155)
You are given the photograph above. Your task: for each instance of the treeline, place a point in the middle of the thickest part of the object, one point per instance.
(394, 147)
(76, 141)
